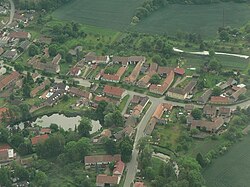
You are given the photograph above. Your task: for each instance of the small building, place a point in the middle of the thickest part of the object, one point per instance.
(205, 97)
(105, 180)
(219, 100)
(10, 54)
(100, 160)
(210, 111)
(115, 92)
(20, 35)
(39, 139)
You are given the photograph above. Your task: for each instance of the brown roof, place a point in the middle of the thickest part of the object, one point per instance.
(239, 92)
(119, 59)
(39, 139)
(34, 92)
(224, 111)
(119, 168)
(114, 91)
(219, 99)
(121, 71)
(111, 77)
(7, 79)
(79, 93)
(20, 35)
(101, 158)
(105, 179)
(210, 110)
(75, 70)
(160, 89)
(211, 126)
(101, 98)
(179, 71)
(133, 76)
(161, 108)
(144, 81)
(139, 184)
(56, 59)
(153, 68)
(164, 70)
(136, 59)
(205, 96)
(3, 110)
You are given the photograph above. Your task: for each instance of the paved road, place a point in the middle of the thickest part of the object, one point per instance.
(12, 12)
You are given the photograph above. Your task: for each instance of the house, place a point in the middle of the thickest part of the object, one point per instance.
(224, 112)
(20, 35)
(156, 117)
(139, 184)
(110, 78)
(105, 180)
(210, 111)
(24, 45)
(8, 80)
(230, 82)
(240, 91)
(161, 89)
(120, 60)
(56, 60)
(35, 91)
(45, 131)
(179, 71)
(100, 160)
(144, 81)
(119, 168)
(52, 67)
(131, 79)
(209, 126)
(3, 110)
(7, 154)
(39, 139)
(92, 58)
(164, 71)
(219, 100)
(80, 93)
(188, 107)
(112, 91)
(141, 103)
(75, 71)
(99, 98)
(205, 97)
(106, 133)
(10, 54)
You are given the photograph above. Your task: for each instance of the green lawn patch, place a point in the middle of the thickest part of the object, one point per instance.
(123, 102)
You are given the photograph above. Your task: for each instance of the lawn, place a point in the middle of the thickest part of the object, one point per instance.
(123, 102)
(202, 19)
(232, 169)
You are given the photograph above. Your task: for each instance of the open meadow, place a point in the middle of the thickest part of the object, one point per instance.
(232, 169)
(117, 14)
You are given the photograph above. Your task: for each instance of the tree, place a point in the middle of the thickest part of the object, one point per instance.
(216, 91)
(126, 147)
(53, 50)
(33, 50)
(69, 58)
(157, 59)
(200, 160)
(25, 149)
(16, 140)
(84, 127)
(99, 113)
(3, 135)
(110, 146)
(5, 177)
(196, 113)
(20, 172)
(40, 179)
(54, 127)
(155, 79)
(114, 119)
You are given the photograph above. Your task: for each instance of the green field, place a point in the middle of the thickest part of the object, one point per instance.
(113, 14)
(202, 19)
(117, 14)
(232, 169)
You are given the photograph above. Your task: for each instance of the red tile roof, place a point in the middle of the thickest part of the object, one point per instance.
(114, 91)
(119, 168)
(8, 79)
(101, 158)
(219, 99)
(179, 71)
(21, 35)
(139, 184)
(39, 139)
(105, 179)
(46, 130)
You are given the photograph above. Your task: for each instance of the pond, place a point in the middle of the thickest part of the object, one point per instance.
(65, 122)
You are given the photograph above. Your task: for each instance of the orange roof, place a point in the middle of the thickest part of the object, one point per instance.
(114, 91)
(121, 71)
(105, 179)
(139, 184)
(219, 99)
(8, 79)
(133, 76)
(22, 35)
(39, 139)
(161, 108)
(101, 158)
(179, 71)
(111, 77)
(45, 130)
(101, 98)
(119, 168)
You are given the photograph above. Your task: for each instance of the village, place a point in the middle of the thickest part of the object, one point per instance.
(144, 92)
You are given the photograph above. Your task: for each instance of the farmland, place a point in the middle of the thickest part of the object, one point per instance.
(117, 14)
(231, 170)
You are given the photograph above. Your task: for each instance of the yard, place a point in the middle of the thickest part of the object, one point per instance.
(231, 169)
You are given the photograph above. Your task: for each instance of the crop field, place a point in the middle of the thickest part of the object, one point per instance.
(113, 14)
(232, 169)
(117, 14)
(202, 19)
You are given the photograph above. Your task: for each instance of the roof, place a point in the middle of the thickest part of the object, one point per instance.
(161, 108)
(75, 70)
(80, 93)
(45, 130)
(205, 96)
(136, 59)
(7, 79)
(101, 158)
(10, 54)
(56, 59)
(210, 110)
(119, 168)
(219, 99)
(111, 77)
(19, 34)
(164, 70)
(139, 184)
(105, 179)
(106, 133)
(2, 110)
(153, 68)
(179, 71)
(189, 107)
(209, 125)
(101, 98)
(134, 74)
(39, 139)
(236, 94)
(224, 111)
(114, 91)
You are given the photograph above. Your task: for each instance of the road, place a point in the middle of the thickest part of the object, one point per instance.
(206, 53)
(12, 12)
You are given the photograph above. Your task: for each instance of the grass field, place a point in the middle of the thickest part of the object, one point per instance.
(117, 14)
(203, 19)
(232, 169)
(113, 14)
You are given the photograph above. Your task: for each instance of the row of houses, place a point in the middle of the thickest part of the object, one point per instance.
(103, 161)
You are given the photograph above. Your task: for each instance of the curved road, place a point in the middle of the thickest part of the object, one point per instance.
(12, 12)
